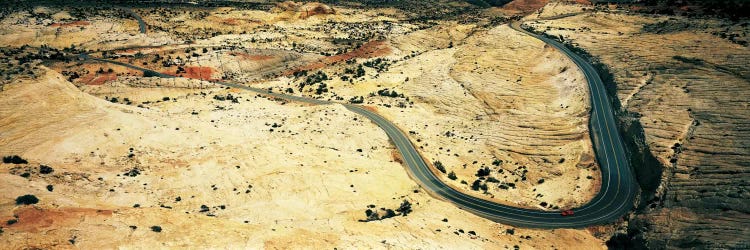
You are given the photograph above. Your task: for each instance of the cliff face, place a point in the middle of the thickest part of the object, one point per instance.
(687, 86)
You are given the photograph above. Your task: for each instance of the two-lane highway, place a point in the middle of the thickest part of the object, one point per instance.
(614, 199)
(141, 23)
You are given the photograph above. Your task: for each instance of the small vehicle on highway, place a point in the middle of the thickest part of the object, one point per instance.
(567, 213)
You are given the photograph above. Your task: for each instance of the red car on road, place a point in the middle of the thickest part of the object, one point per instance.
(567, 213)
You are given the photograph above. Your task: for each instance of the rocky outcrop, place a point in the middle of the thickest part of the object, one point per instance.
(305, 10)
(688, 91)
(507, 122)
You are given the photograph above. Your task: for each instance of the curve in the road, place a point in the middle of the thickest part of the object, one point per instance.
(141, 23)
(617, 186)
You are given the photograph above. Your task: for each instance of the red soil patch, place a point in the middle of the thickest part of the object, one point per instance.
(371, 108)
(525, 6)
(251, 57)
(367, 50)
(98, 79)
(103, 78)
(32, 219)
(396, 156)
(84, 79)
(75, 23)
(230, 21)
(202, 73)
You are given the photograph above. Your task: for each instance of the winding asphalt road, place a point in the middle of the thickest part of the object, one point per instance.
(614, 199)
(141, 23)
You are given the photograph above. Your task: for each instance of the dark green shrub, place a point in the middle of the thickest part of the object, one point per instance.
(452, 176)
(405, 208)
(26, 200)
(439, 166)
(483, 172)
(44, 169)
(14, 160)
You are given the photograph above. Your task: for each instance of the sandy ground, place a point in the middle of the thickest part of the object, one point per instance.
(99, 32)
(491, 109)
(273, 174)
(538, 149)
(480, 103)
(261, 190)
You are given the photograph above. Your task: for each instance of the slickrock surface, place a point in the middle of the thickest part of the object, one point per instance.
(483, 104)
(197, 171)
(184, 162)
(688, 88)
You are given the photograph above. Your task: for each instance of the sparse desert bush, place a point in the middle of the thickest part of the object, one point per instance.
(452, 176)
(384, 213)
(388, 213)
(27, 200)
(14, 159)
(133, 172)
(477, 184)
(483, 172)
(357, 99)
(44, 169)
(439, 166)
(389, 93)
(405, 208)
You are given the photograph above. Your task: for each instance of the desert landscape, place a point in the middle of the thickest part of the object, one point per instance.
(231, 124)
(687, 92)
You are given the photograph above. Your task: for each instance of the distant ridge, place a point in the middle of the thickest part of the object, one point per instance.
(489, 3)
